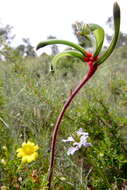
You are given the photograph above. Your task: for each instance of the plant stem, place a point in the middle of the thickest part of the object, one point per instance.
(6, 125)
(92, 69)
(81, 171)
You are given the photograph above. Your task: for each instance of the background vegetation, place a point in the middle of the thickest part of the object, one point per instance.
(30, 100)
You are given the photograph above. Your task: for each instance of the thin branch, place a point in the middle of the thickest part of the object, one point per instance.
(6, 125)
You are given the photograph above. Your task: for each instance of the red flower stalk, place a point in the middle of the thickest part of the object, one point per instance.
(92, 68)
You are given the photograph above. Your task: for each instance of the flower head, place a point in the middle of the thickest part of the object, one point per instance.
(28, 152)
(78, 140)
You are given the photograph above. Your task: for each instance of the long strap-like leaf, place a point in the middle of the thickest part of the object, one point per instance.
(99, 35)
(64, 42)
(116, 14)
(67, 53)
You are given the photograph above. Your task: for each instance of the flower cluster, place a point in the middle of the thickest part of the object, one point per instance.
(78, 140)
(90, 58)
(28, 152)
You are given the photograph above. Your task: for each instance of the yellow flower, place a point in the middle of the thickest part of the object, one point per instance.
(28, 152)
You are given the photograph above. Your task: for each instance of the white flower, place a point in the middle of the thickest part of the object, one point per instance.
(78, 140)
(72, 150)
(69, 139)
(80, 132)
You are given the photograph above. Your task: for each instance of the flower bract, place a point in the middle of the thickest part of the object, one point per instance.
(28, 152)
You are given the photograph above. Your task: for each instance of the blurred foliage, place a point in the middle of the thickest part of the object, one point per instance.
(30, 99)
(9, 53)
(77, 28)
(31, 96)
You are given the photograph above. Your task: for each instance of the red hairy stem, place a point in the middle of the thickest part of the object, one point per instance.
(92, 69)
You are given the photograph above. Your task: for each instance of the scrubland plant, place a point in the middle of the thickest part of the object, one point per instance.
(93, 60)
(92, 151)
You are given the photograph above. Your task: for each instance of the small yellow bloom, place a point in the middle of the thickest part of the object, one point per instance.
(28, 152)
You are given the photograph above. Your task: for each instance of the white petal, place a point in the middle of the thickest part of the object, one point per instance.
(87, 144)
(69, 139)
(72, 150)
(77, 144)
(83, 138)
(80, 132)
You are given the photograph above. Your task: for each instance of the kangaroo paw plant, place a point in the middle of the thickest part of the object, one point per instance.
(93, 60)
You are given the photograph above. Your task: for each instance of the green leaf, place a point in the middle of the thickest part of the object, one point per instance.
(116, 16)
(99, 35)
(67, 53)
(86, 29)
(64, 42)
